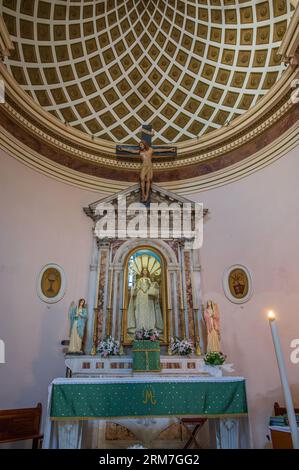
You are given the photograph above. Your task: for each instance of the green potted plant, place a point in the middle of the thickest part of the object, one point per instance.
(213, 360)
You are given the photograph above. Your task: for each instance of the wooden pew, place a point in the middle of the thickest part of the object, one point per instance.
(281, 440)
(21, 424)
(280, 411)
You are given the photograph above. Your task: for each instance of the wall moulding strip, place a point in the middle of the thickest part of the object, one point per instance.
(32, 159)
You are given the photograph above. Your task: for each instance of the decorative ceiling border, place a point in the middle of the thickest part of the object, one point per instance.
(28, 114)
(250, 142)
(272, 152)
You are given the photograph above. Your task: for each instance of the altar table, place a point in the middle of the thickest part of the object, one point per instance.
(71, 401)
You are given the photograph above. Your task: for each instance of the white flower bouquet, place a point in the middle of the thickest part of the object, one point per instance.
(108, 347)
(182, 347)
(148, 335)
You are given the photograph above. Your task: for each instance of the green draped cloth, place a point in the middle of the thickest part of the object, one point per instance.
(123, 399)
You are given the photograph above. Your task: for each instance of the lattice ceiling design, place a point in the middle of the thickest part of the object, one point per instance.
(107, 67)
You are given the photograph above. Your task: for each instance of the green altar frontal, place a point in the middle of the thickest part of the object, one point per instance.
(130, 398)
(146, 356)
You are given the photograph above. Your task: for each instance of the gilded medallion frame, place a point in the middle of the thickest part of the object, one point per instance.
(60, 291)
(237, 283)
(127, 341)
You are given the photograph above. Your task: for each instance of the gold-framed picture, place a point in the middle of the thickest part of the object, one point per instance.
(51, 283)
(237, 283)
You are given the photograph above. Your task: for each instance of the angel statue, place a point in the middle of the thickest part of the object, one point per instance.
(211, 316)
(78, 318)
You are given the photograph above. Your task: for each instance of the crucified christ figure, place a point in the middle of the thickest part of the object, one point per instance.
(146, 174)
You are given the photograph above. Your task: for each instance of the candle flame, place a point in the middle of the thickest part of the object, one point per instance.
(271, 315)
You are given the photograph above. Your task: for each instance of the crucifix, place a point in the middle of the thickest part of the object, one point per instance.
(146, 151)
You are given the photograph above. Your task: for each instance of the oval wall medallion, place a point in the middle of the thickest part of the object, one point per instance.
(237, 283)
(51, 283)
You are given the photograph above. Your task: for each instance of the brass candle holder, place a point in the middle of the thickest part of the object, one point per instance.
(95, 332)
(182, 312)
(121, 347)
(109, 313)
(169, 352)
(196, 333)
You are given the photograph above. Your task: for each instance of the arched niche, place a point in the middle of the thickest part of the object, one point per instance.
(119, 265)
(145, 293)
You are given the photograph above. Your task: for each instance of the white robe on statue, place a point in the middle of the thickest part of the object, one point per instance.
(144, 307)
(75, 340)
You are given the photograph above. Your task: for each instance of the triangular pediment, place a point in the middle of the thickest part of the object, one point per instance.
(132, 195)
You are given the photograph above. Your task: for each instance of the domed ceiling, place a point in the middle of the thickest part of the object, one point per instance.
(107, 67)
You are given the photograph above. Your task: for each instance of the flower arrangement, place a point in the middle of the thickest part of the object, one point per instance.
(108, 347)
(182, 347)
(214, 358)
(148, 335)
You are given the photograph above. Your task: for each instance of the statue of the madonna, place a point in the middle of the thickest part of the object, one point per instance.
(78, 318)
(144, 309)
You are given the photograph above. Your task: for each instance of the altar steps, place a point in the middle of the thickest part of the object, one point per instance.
(94, 366)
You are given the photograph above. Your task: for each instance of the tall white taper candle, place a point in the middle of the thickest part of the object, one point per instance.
(284, 380)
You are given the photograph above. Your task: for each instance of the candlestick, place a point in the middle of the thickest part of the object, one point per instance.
(109, 323)
(95, 333)
(183, 322)
(284, 380)
(110, 287)
(122, 333)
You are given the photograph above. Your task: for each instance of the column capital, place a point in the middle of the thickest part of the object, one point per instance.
(103, 243)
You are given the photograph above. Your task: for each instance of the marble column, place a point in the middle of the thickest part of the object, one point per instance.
(189, 293)
(197, 296)
(110, 302)
(119, 304)
(92, 294)
(170, 305)
(185, 326)
(104, 249)
(175, 304)
(115, 303)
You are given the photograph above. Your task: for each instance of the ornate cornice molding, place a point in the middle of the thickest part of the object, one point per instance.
(185, 187)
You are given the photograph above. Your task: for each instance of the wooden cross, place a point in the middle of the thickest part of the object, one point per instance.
(146, 135)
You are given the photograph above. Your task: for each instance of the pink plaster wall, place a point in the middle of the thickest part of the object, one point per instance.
(253, 221)
(41, 222)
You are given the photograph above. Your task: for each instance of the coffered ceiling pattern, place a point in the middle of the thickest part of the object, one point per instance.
(107, 67)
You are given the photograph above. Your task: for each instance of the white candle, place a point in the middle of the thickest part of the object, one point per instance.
(284, 380)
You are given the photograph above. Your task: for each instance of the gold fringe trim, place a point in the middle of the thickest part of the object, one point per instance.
(107, 418)
(146, 350)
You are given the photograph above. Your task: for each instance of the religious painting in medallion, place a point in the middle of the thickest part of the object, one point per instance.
(144, 296)
(237, 284)
(51, 283)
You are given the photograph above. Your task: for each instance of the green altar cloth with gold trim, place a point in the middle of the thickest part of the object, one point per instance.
(146, 356)
(101, 398)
